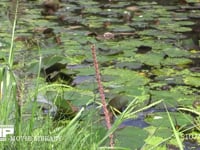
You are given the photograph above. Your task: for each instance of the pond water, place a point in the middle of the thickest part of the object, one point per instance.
(146, 49)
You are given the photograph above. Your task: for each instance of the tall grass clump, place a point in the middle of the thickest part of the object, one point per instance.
(9, 106)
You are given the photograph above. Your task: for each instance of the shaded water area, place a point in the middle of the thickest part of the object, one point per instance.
(149, 50)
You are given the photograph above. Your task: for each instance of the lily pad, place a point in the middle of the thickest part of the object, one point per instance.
(175, 52)
(193, 81)
(126, 77)
(161, 119)
(131, 137)
(177, 61)
(171, 98)
(129, 65)
(151, 59)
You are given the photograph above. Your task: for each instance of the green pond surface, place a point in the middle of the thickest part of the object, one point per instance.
(148, 50)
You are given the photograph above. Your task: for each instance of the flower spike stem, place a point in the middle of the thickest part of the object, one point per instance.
(102, 95)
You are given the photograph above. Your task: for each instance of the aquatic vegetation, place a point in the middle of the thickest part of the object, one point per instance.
(148, 50)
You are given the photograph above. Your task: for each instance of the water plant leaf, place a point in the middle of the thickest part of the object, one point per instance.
(51, 60)
(129, 65)
(193, 81)
(161, 119)
(151, 59)
(125, 76)
(175, 52)
(177, 61)
(127, 137)
(154, 140)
